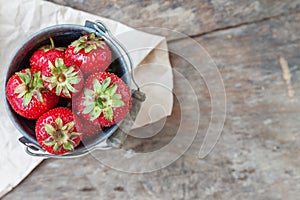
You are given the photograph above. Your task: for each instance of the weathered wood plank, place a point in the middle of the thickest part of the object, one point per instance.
(189, 17)
(256, 157)
(261, 133)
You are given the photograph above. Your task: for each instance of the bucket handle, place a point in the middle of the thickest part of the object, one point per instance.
(35, 150)
(100, 27)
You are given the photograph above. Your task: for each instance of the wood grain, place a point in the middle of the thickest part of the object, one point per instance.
(192, 17)
(257, 154)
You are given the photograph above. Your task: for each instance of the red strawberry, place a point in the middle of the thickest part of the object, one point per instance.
(90, 53)
(27, 94)
(40, 58)
(56, 131)
(105, 99)
(62, 80)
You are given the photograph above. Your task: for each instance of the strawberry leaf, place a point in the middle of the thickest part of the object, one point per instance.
(105, 84)
(97, 86)
(117, 103)
(92, 36)
(88, 92)
(111, 90)
(24, 77)
(77, 49)
(37, 80)
(68, 70)
(75, 134)
(49, 142)
(66, 92)
(27, 99)
(56, 147)
(71, 88)
(51, 66)
(96, 112)
(101, 44)
(69, 126)
(108, 113)
(59, 62)
(101, 105)
(116, 97)
(21, 90)
(49, 129)
(88, 109)
(68, 146)
(74, 80)
(90, 48)
(59, 123)
(58, 90)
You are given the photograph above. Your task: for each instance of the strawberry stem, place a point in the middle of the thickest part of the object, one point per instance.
(102, 99)
(88, 43)
(31, 85)
(62, 78)
(61, 135)
(52, 43)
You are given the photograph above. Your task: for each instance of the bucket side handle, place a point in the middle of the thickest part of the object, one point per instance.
(100, 27)
(119, 136)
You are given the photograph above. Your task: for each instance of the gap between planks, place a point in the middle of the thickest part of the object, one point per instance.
(234, 26)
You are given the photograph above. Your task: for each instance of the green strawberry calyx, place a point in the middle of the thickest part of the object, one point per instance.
(61, 135)
(102, 99)
(88, 43)
(31, 86)
(62, 78)
(47, 48)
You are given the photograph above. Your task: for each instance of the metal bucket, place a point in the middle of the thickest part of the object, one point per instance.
(63, 35)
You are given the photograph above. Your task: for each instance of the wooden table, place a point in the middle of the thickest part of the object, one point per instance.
(256, 46)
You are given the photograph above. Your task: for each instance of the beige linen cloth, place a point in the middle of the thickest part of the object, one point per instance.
(20, 19)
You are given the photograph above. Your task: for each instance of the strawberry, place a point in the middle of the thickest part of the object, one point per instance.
(105, 100)
(90, 53)
(56, 131)
(40, 58)
(62, 80)
(27, 95)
